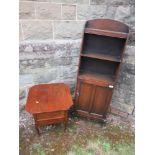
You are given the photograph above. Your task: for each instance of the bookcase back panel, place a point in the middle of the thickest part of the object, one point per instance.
(103, 45)
(98, 66)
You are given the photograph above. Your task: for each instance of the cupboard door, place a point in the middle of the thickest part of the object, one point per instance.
(101, 100)
(84, 96)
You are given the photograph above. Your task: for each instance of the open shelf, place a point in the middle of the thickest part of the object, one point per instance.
(96, 69)
(101, 57)
(106, 33)
(96, 77)
(103, 46)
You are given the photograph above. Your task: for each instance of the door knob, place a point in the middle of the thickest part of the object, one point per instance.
(77, 94)
(111, 86)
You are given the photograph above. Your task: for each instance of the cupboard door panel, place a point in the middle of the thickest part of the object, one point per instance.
(101, 100)
(84, 94)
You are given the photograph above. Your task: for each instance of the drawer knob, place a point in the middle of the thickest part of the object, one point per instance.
(111, 86)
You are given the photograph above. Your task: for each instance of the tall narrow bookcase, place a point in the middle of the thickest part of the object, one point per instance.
(101, 55)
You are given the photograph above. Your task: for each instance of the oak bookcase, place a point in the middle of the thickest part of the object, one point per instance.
(101, 55)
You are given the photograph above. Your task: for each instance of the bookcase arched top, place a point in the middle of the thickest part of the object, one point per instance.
(107, 24)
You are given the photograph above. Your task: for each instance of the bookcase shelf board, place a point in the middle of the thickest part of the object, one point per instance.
(98, 78)
(102, 57)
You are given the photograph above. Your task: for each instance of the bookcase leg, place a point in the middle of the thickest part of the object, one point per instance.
(104, 118)
(37, 129)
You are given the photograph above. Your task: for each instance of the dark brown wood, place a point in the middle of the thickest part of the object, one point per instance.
(96, 66)
(103, 45)
(106, 33)
(101, 100)
(107, 24)
(84, 96)
(66, 120)
(49, 103)
(97, 79)
(101, 55)
(93, 99)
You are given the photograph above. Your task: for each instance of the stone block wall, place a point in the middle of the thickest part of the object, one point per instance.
(64, 19)
(50, 34)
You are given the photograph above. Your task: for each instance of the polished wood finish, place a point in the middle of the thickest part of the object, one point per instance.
(101, 100)
(93, 99)
(107, 24)
(103, 45)
(85, 96)
(96, 66)
(49, 103)
(98, 79)
(106, 33)
(101, 55)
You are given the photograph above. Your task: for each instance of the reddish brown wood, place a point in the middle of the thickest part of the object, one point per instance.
(93, 99)
(91, 115)
(97, 79)
(101, 100)
(85, 94)
(102, 49)
(107, 24)
(49, 103)
(106, 33)
(101, 57)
